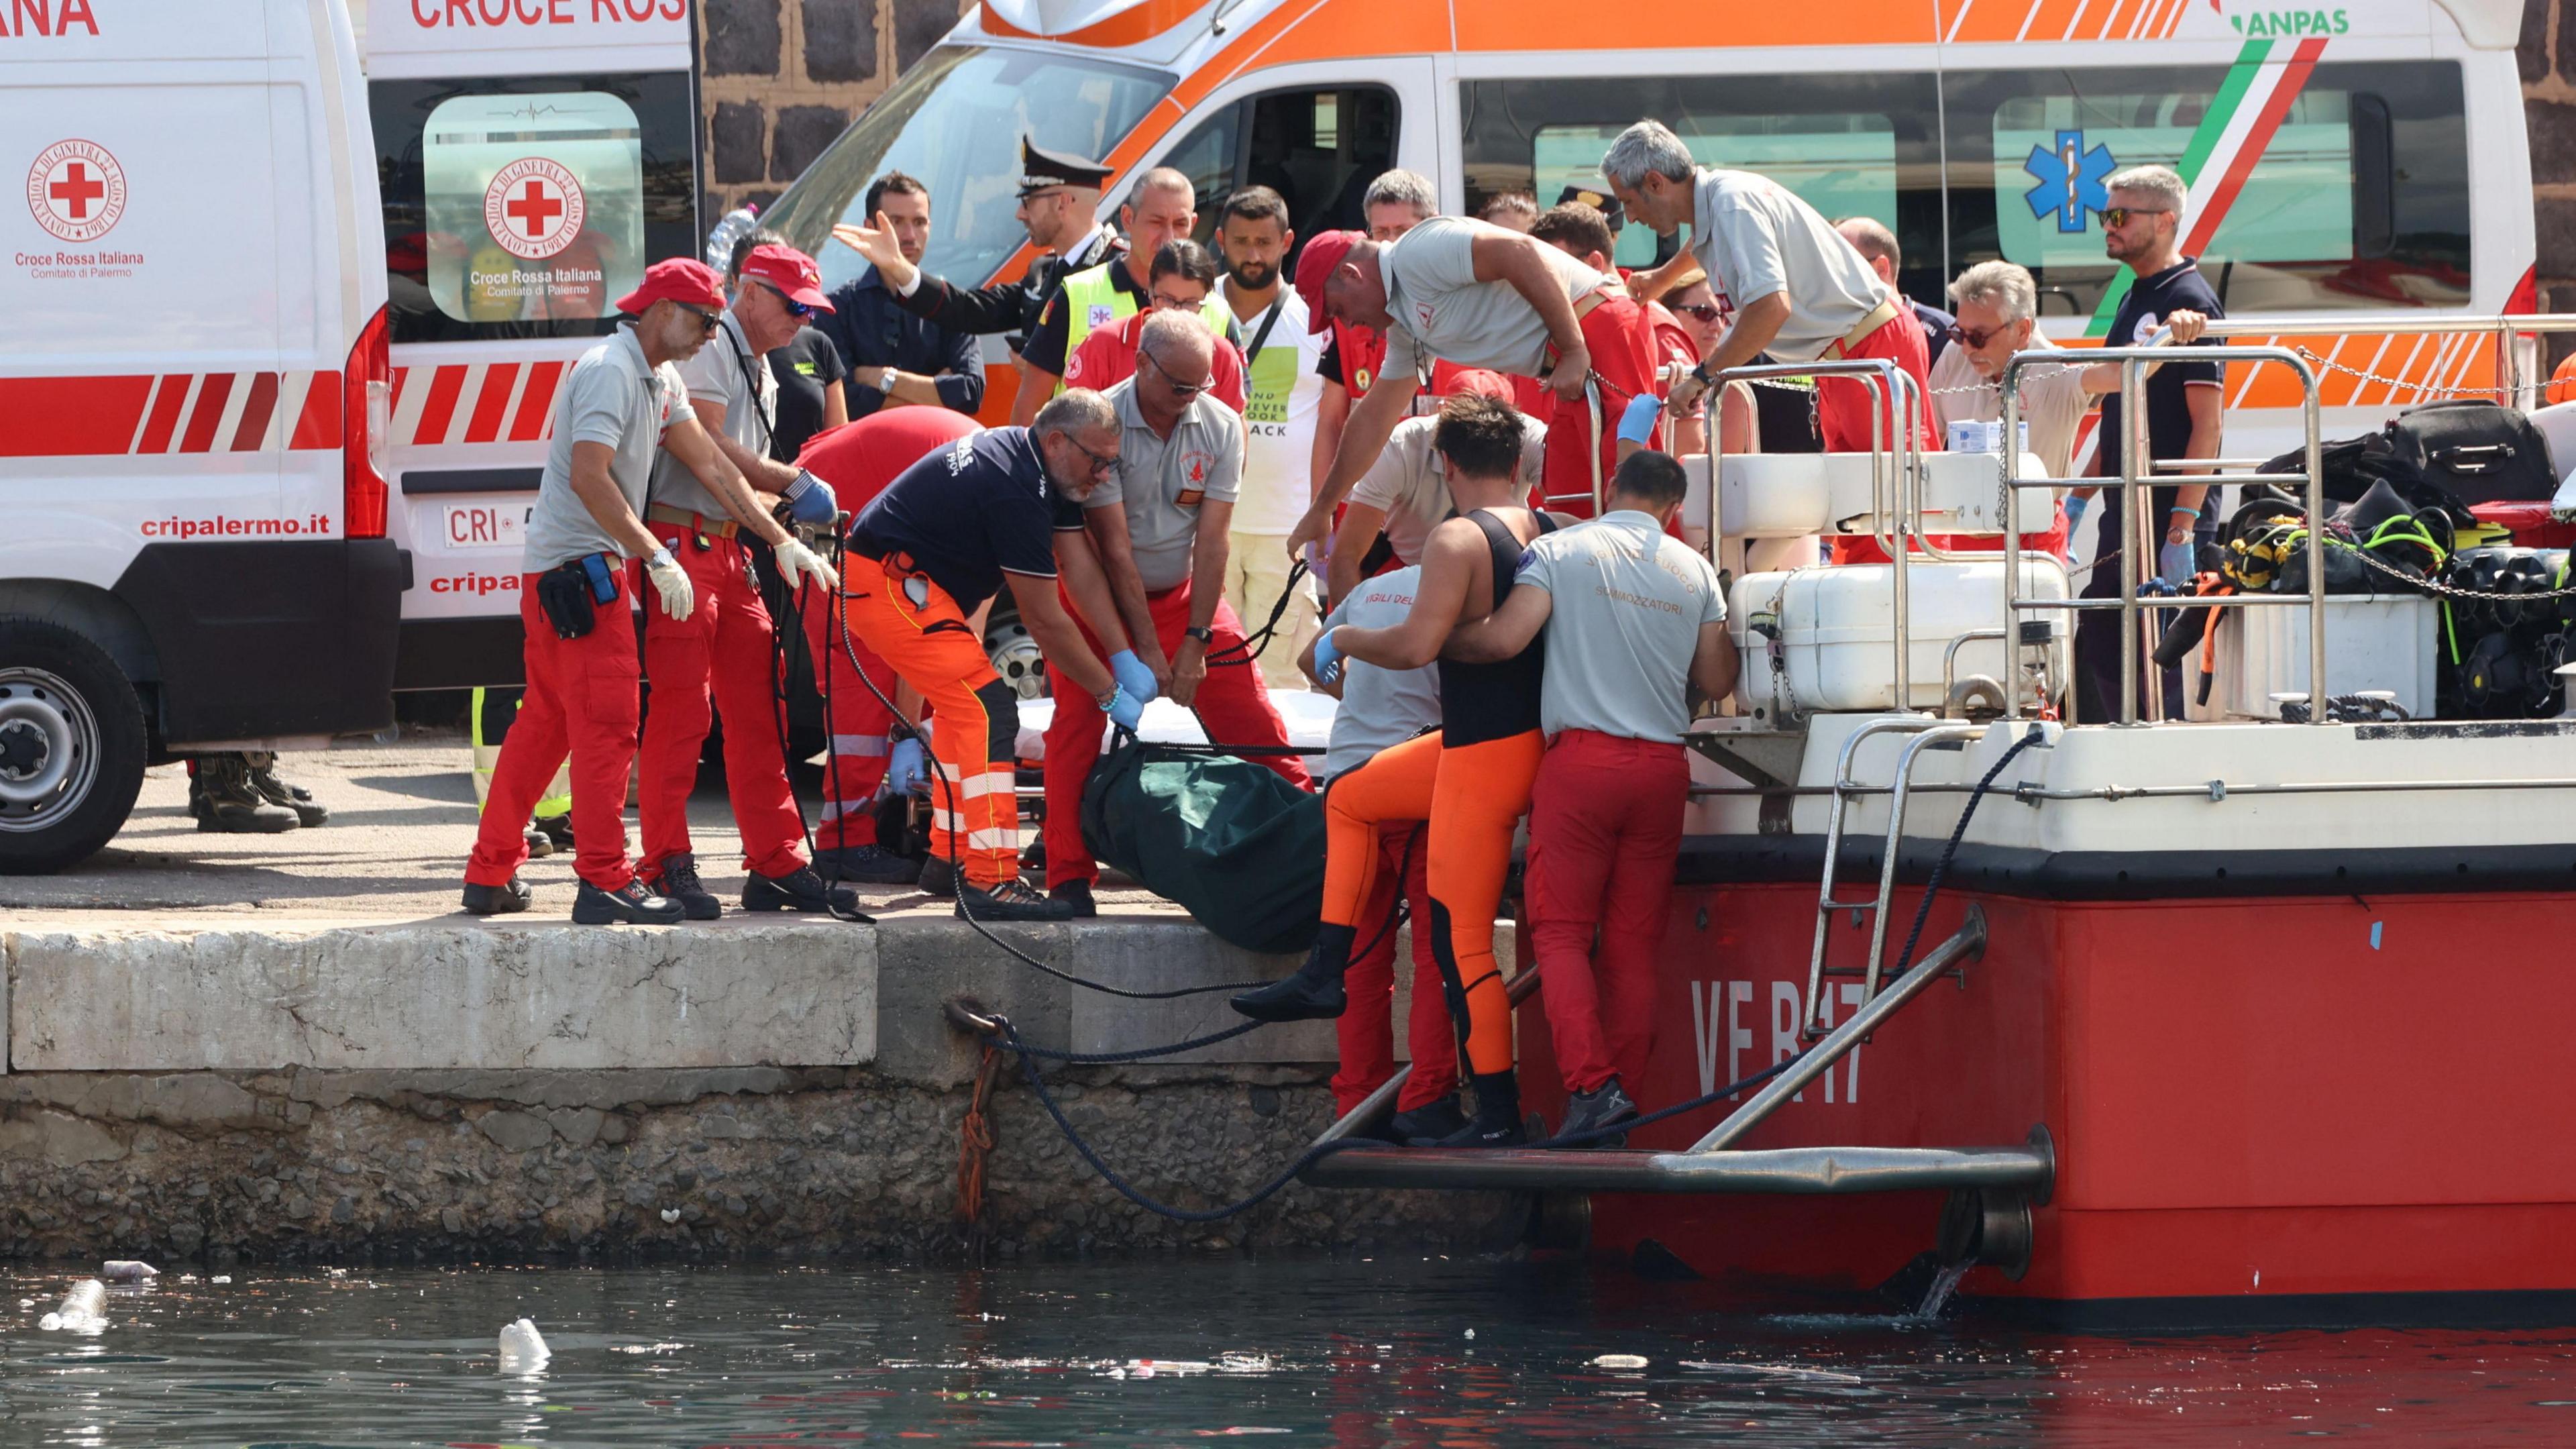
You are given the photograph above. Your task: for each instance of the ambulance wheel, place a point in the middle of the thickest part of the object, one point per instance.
(71, 747)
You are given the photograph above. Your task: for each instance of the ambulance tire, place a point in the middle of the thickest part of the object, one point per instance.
(67, 711)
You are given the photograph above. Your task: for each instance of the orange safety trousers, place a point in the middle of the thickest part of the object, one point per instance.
(1472, 796)
(911, 623)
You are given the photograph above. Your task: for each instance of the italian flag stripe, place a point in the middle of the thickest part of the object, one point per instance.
(2242, 119)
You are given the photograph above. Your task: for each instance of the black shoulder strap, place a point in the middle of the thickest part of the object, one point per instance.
(1252, 353)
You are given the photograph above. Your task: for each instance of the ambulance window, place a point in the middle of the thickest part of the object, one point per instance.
(527, 207)
(1318, 149)
(1849, 145)
(2315, 219)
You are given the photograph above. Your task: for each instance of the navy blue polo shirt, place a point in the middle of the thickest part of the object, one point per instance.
(972, 512)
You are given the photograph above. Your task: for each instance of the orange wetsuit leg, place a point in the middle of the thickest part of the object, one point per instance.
(1396, 784)
(1478, 796)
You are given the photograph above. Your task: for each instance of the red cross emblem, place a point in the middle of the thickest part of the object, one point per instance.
(76, 190)
(533, 208)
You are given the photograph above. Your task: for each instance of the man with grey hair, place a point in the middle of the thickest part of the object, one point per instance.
(1877, 246)
(1162, 206)
(1800, 292)
(2143, 227)
(1396, 202)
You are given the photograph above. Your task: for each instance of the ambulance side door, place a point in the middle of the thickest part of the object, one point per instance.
(1315, 133)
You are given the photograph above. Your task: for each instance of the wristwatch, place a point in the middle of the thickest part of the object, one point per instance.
(1204, 636)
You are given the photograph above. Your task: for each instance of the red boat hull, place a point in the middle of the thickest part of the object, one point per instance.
(2247, 1097)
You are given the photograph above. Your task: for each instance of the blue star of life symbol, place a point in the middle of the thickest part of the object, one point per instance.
(2070, 180)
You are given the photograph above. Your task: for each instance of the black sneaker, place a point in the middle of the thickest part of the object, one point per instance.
(679, 883)
(629, 904)
(798, 890)
(1437, 1120)
(539, 844)
(506, 899)
(866, 864)
(557, 828)
(1077, 894)
(1605, 1106)
(1012, 900)
(939, 878)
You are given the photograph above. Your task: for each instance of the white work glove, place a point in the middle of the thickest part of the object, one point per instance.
(672, 583)
(796, 563)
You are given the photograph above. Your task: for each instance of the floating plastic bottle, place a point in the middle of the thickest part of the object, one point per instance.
(523, 1349)
(83, 1310)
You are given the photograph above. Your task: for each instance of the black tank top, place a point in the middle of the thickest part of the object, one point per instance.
(1480, 702)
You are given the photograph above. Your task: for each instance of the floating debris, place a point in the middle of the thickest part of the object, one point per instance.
(127, 1270)
(83, 1310)
(1620, 1361)
(523, 1349)
(670, 1215)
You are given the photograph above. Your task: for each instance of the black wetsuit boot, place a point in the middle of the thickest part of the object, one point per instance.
(1315, 992)
(1497, 1122)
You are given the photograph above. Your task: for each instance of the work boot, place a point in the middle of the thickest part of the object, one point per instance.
(231, 805)
(1077, 894)
(866, 864)
(1012, 900)
(1431, 1121)
(263, 778)
(1604, 1106)
(1497, 1122)
(629, 904)
(506, 899)
(556, 828)
(678, 882)
(939, 878)
(798, 890)
(539, 844)
(1315, 991)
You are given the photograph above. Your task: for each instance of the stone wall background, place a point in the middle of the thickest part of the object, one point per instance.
(2548, 58)
(782, 78)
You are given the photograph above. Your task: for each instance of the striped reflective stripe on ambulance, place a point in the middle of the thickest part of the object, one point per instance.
(170, 413)
(475, 402)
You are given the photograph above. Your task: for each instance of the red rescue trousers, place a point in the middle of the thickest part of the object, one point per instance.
(859, 722)
(580, 700)
(1621, 342)
(724, 652)
(1366, 1028)
(913, 624)
(1233, 705)
(1473, 795)
(1605, 831)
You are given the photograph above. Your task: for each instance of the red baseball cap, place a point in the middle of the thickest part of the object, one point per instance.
(678, 279)
(1481, 381)
(1323, 255)
(792, 272)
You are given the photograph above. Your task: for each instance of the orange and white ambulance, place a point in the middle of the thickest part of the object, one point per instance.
(535, 156)
(192, 401)
(2344, 158)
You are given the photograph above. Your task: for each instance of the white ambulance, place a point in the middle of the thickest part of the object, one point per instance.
(535, 156)
(192, 400)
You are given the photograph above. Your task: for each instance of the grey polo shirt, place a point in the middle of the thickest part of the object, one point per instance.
(1754, 238)
(727, 372)
(612, 396)
(1409, 482)
(1627, 602)
(1163, 482)
(1380, 707)
(1441, 310)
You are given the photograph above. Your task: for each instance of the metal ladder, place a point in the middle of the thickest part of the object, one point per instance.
(1925, 733)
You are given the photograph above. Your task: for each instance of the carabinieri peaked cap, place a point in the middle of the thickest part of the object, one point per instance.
(1041, 168)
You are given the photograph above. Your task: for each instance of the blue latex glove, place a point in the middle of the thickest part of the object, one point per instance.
(810, 500)
(2173, 563)
(903, 767)
(1126, 709)
(1637, 424)
(1328, 660)
(1133, 676)
(2075, 506)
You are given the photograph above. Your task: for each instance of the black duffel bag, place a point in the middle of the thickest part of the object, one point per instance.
(2482, 451)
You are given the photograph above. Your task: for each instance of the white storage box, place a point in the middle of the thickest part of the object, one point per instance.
(1836, 652)
(2383, 643)
(1782, 495)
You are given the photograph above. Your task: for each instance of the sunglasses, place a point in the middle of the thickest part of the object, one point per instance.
(2115, 217)
(1970, 339)
(706, 319)
(798, 310)
(1185, 389)
(1100, 466)
(1705, 311)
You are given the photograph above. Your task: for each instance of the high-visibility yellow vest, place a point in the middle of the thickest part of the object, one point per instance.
(1093, 300)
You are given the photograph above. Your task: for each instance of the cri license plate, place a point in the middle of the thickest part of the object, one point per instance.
(486, 525)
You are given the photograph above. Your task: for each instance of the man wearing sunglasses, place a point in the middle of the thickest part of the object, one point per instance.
(1159, 523)
(717, 653)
